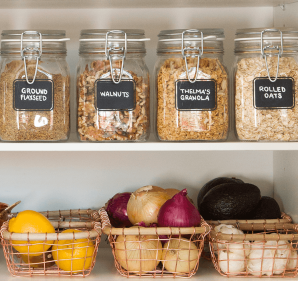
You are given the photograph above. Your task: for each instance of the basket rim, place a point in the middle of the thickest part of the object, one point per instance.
(285, 219)
(94, 232)
(110, 230)
(215, 235)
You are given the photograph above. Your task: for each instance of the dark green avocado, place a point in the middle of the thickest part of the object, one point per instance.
(210, 184)
(230, 201)
(267, 208)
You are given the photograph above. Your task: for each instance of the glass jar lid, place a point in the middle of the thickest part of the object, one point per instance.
(94, 41)
(284, 40)
(208, 40)
(42, 41)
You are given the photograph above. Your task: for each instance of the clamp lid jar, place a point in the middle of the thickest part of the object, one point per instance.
(34, 86)
(266, 76)
(113, 86)
(192, 86)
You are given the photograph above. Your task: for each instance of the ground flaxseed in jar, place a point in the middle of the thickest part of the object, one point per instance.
(192, 86)
(112, 86)
(266, 100)
(34, 86)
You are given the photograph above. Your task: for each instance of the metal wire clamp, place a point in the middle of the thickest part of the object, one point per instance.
(272, 48)
(31, 50)
(186, 49)
(117, 55)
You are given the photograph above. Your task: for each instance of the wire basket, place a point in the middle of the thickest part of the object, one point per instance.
(155, 251)
(264, 250)
(206, 254)
(61, 253)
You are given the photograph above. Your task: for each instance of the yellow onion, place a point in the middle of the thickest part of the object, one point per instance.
(144, 204)
(180, 256)
(138, 253)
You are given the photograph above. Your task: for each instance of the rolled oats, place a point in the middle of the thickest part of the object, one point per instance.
(267, 124)
(173, 124)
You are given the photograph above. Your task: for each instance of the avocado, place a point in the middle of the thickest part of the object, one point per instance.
(267, 208)
(230, 201)
(210, 184)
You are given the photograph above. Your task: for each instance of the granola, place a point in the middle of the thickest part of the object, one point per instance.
(124, 125)
(175, 125)
(18, 125)
(268, 124)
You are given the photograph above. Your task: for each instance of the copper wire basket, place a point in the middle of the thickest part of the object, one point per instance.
(55, 254)
(206, 254)
(155, 251)
(264, 250)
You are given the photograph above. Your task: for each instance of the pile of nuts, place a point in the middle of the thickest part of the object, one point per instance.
(125, 125)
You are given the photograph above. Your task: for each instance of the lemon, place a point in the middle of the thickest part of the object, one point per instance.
(31, 222)
(73, 255)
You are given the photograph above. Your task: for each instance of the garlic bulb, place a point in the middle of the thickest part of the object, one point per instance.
(227, 229)
(268, 258)
(230, 262)
(241, 246)
(292, 260)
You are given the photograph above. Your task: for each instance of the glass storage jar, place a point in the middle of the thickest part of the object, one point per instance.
(192, 86)
(112, 86)
(266, 84)
(34, 86)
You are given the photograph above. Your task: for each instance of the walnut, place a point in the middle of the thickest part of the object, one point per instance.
(111, 125)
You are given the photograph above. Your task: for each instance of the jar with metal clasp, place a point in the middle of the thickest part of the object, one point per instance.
(112, 86)
(34, 86)
(191, 86)
(266, 84)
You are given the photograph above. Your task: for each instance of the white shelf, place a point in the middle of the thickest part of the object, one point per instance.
(74, 145)
(104, 269)
(68, 4)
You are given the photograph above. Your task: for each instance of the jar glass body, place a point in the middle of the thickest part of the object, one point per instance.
(261, 113)
(97, 124)
(37, 123)
(173, 124)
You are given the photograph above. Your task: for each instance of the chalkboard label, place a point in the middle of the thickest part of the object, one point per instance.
(111, 96)
(274, 95)
(33, 97)
(200, 95)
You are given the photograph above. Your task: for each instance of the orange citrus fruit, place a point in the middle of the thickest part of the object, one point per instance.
(73, 255)
(31, 222)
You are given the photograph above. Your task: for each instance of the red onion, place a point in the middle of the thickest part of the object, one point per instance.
(178, 212)
(117, 210)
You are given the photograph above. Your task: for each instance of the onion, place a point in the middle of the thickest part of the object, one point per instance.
(117, 209)
(179, 212)
(144, 204)
(180, 256)
(138, 253)
(174, 191)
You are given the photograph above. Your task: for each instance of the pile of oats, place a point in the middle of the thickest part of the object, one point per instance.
(94, 125)
(20, 125)
(174, 125)
(270, 124)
